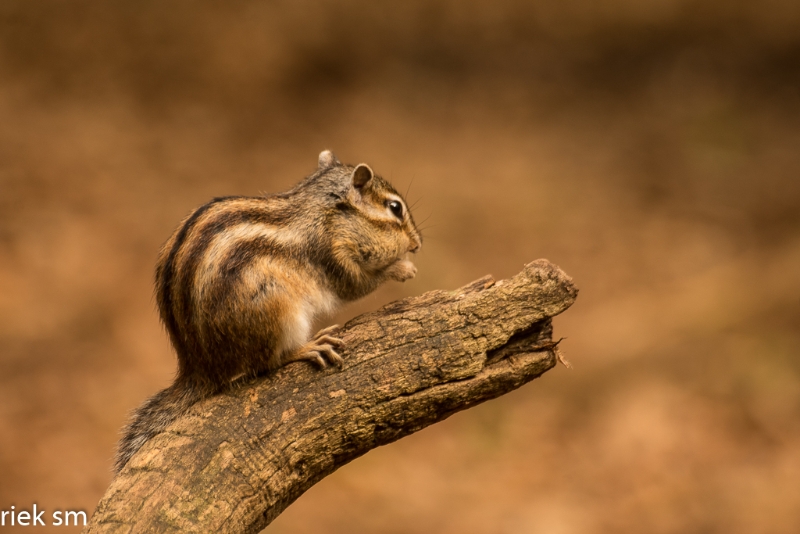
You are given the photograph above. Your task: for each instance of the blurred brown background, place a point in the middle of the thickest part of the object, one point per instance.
(651, 149)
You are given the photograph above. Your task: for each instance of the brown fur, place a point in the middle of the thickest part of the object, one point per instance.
(241, 280)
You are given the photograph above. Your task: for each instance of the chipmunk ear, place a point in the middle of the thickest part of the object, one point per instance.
(362, 174)
(327, 159)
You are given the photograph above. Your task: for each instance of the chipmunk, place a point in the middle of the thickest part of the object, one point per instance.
(241, 281)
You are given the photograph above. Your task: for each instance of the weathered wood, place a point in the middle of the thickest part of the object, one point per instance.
(236, 461)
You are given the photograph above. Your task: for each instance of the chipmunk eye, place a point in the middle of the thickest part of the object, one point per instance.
(396, 208)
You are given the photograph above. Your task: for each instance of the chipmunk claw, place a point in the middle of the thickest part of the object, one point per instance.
(321, 349)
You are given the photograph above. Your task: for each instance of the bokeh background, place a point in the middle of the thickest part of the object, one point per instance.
(650, 148)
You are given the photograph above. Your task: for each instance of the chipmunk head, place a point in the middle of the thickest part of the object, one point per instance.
(372, 224)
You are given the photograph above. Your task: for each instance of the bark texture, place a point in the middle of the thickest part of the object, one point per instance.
(237, 460)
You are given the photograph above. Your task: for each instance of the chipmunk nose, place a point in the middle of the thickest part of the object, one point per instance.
(416, 244)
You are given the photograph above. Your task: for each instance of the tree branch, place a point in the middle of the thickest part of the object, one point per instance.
(237, 460)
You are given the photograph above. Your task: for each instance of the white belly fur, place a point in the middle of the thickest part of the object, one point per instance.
(299, 322)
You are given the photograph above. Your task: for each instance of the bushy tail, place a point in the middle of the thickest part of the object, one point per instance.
(155, 415)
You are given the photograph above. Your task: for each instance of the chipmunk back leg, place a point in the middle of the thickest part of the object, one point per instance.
(301, 300)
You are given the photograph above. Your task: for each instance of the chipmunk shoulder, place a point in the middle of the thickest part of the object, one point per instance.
(242, 280)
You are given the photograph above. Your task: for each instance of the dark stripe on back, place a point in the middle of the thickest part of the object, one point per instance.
(241, 256)
(167, 275)
(199, 246)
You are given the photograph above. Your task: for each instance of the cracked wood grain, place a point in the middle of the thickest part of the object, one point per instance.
(237, 460)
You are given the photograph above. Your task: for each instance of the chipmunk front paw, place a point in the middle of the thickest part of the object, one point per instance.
(402, 270)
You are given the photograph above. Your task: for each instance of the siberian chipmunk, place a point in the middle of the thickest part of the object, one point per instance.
(241, 281)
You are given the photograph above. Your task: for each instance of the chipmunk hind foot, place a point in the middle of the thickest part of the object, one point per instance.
(320, 350)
